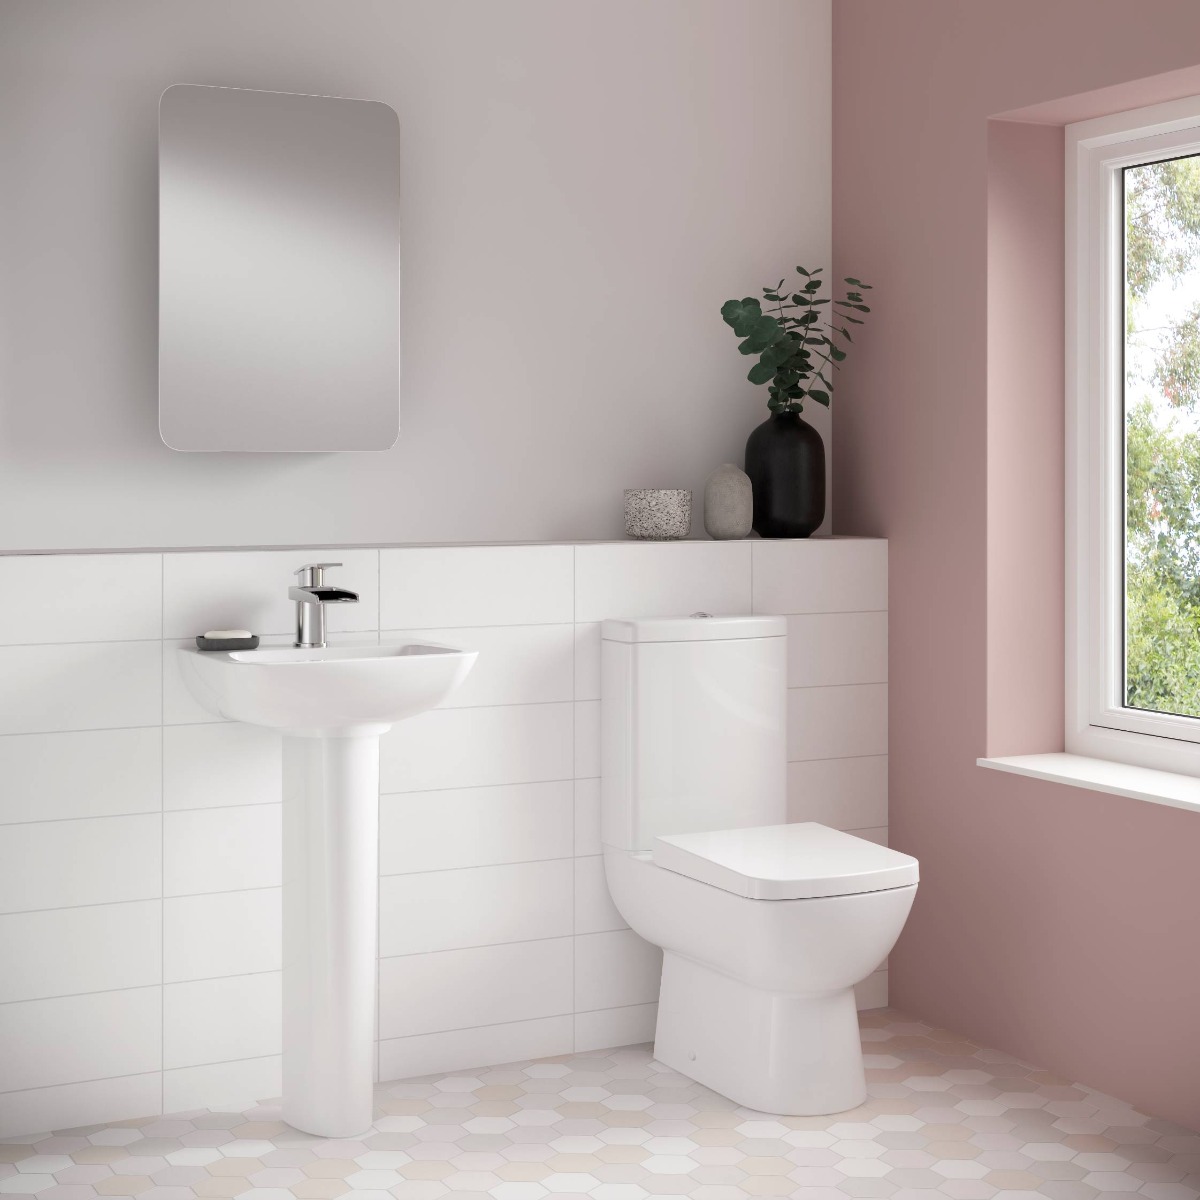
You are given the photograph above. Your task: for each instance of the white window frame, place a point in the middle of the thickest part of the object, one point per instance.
(1098, 724)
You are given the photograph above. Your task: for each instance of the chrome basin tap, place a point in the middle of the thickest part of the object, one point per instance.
(311, 595)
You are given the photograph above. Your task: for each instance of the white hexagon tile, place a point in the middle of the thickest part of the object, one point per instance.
(945, 1117)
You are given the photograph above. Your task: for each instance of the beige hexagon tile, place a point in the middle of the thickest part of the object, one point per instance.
(944, 1118)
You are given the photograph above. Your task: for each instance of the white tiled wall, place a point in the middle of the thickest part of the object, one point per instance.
(140, 836)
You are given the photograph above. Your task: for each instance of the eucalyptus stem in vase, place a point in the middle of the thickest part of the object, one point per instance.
(798, 345)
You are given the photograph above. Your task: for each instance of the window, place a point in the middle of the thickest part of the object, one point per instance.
(1133, 432)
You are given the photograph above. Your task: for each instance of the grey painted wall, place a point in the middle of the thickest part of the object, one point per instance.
(583, 184)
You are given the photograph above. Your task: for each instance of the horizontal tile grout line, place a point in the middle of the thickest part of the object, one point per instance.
(476, 787)
(488, 866)
(522, 862)
(45, 1087)
(556, 937)
(141, 987)
(403, 1037)
(132, 641)
(172, 639)
(143, 812)
(470, 787)
(805, 687)
(20, 912)
(225, 1062)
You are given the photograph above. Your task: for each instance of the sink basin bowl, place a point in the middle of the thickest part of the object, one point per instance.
(334, 691)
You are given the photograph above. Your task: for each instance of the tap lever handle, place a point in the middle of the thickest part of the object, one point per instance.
(313, 574)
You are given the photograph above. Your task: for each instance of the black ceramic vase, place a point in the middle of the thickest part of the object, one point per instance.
(785, 459)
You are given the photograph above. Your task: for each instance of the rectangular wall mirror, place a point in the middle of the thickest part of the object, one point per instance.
(279, 271)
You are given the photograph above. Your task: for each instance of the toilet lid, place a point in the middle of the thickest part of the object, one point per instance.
(786, 862)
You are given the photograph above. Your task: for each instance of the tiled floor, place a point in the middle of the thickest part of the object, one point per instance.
(945, 1118)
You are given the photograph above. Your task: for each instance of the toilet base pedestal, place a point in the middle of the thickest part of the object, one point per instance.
(771, 1051)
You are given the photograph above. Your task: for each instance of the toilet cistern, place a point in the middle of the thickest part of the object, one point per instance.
(311, 595)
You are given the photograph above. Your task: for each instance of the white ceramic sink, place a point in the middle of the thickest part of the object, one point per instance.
(331, 705)
(331, 691)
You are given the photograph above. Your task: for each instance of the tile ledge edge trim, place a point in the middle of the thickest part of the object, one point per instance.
(302, 546)
(1101, 775)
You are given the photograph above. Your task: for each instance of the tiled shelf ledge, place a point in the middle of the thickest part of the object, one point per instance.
(1101, 775)
(703, 539)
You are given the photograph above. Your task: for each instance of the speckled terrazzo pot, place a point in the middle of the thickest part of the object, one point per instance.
(658, 514)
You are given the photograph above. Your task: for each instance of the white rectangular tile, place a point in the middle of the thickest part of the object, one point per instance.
(836, 648)
(468, 1049)
(872, 992)
(517, 664)
(68, 951)
(221, 1020)
(248, 589)
(837, 722)
(587, 660)
(877, 834)
(92, 685)
(71, 1105)
(474, 827)
(427, 587)
(225, 1087)
(629, 1026)
(844, 793)
(477, 747)
(101, 860)
(179, 705)
(80, 598)
(820, 575)
(227, 933)
(587, 816)
(56, 776)
(615, 969)
(594, 910)
(587, 739)
(222, 849)
(222, 765)
(460, 989)
(479, 906)
(73, 1039)
(661, 579)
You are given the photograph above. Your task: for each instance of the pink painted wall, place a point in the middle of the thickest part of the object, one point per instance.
(1056, 923)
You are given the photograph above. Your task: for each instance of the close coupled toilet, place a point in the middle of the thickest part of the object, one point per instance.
(765, 926)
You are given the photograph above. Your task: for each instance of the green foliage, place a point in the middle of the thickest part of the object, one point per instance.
(1162, 567)
(795, 344)
(1162, 223)
(1177, 369)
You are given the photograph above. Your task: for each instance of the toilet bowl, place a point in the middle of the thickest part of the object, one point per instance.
(765, 926)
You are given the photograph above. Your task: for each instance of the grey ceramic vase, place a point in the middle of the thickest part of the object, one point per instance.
(658, 514)
(728, 503)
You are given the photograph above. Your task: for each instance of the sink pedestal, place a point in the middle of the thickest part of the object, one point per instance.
(330, 703)
(330, 942)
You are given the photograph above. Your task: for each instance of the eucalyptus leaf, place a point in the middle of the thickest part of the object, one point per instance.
(740, 313)
(795, 343)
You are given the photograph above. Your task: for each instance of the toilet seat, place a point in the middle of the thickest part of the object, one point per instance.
(785, 862)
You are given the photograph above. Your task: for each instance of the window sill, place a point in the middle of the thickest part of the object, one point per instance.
(1100, 775)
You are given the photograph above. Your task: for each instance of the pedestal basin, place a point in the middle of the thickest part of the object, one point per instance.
(330, 704)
